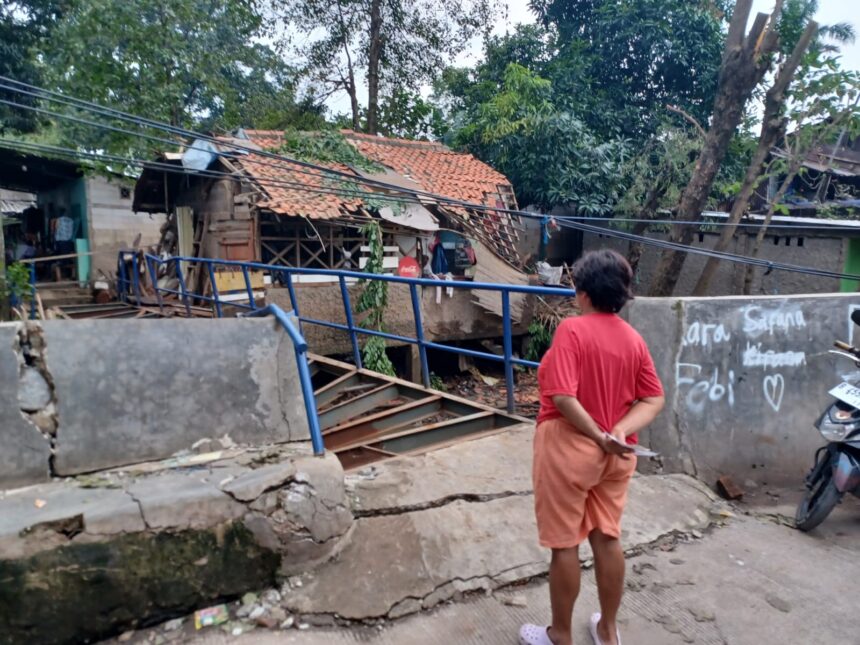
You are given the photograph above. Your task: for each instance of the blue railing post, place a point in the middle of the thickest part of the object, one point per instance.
(215, 295)
(294, 301)
(248, 287)
(32, 291)
(182, 289)
(309, 401)
(153, 275)
(135, 279)
(347, 308)
(301, 350)
(122, 284)
(508, 346)
(419, 334)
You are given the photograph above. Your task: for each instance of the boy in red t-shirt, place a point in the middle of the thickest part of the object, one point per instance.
(598, 388)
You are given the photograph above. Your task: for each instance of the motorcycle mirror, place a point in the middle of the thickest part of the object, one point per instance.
(855, 316)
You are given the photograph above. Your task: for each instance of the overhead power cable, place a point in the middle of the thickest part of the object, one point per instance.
(662, 244)
(436, 197)
(78, 155)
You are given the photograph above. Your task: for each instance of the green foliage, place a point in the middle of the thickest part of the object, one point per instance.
(550, 155)
(195, 63)
(437, 383)
(663, 167)
(25, 25)
(373, 300)
(324, 146)
(403, 113)
(16, 283)
(540, 338)
(414, 39)
(620, 62)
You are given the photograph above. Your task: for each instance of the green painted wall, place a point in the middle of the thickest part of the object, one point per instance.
(852, 265)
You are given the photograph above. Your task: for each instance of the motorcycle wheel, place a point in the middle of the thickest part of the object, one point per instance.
(817, 502)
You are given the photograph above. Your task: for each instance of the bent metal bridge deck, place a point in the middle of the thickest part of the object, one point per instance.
(367, 417)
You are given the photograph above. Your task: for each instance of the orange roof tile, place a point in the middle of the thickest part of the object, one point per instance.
(290, 187)
(434, 167)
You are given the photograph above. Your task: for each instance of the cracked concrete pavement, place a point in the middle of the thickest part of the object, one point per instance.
(752, 580)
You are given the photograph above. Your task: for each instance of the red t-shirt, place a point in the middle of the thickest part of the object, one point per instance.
(603, 362)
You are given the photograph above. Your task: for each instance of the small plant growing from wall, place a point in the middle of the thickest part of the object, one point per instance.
(15, 285)
(374, 300)
(540, 337)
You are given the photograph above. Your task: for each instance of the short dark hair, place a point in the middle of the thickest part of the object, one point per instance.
(605, 276)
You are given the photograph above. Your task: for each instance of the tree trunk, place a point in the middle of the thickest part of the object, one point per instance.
(773, 128)
(373, 55)
(353, 101)
(349, 83)
(745, 62)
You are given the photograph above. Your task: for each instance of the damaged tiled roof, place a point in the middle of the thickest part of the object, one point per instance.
(434, 167)
(301, 200)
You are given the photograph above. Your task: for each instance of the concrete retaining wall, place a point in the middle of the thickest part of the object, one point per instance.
(794, 247)
(115, 392)
(745, 380)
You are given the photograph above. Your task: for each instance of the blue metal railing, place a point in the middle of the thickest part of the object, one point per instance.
(129, 287)
(301, 349)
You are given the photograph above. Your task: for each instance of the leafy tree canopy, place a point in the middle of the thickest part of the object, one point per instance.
(194, 63)
(549, 154)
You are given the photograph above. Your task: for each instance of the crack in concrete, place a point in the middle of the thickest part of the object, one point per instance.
(472, 498)
(411, 604)
(485, 582)
(32, 351)
(140, 508)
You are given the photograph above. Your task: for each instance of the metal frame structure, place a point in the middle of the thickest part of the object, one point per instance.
(365, 446)
(131, 285)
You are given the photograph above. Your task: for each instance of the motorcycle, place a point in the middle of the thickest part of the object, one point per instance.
(837, 464)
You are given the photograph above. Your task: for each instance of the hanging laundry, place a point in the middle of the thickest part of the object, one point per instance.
(439, 264)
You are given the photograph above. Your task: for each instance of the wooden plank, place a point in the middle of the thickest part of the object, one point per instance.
(227, 280)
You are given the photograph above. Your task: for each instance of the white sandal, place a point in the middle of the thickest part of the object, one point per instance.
(595, 618)
(534, 635)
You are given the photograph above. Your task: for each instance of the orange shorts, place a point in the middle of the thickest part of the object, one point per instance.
(578, 486)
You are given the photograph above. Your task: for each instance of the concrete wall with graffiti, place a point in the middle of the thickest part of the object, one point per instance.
(745, 380)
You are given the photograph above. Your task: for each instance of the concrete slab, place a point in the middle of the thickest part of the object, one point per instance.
(745, 379)
(183, 500)
(462, 518)
(24, 451)
(171, 383)
(486, 467)
(791, 588)
(84, 558)
(38, 518)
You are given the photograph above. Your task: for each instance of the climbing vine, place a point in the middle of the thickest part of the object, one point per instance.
(374, 300)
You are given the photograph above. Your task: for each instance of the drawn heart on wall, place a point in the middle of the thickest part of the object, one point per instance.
(774, 389)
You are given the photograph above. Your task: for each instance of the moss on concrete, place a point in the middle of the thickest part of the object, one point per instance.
(85, 591)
